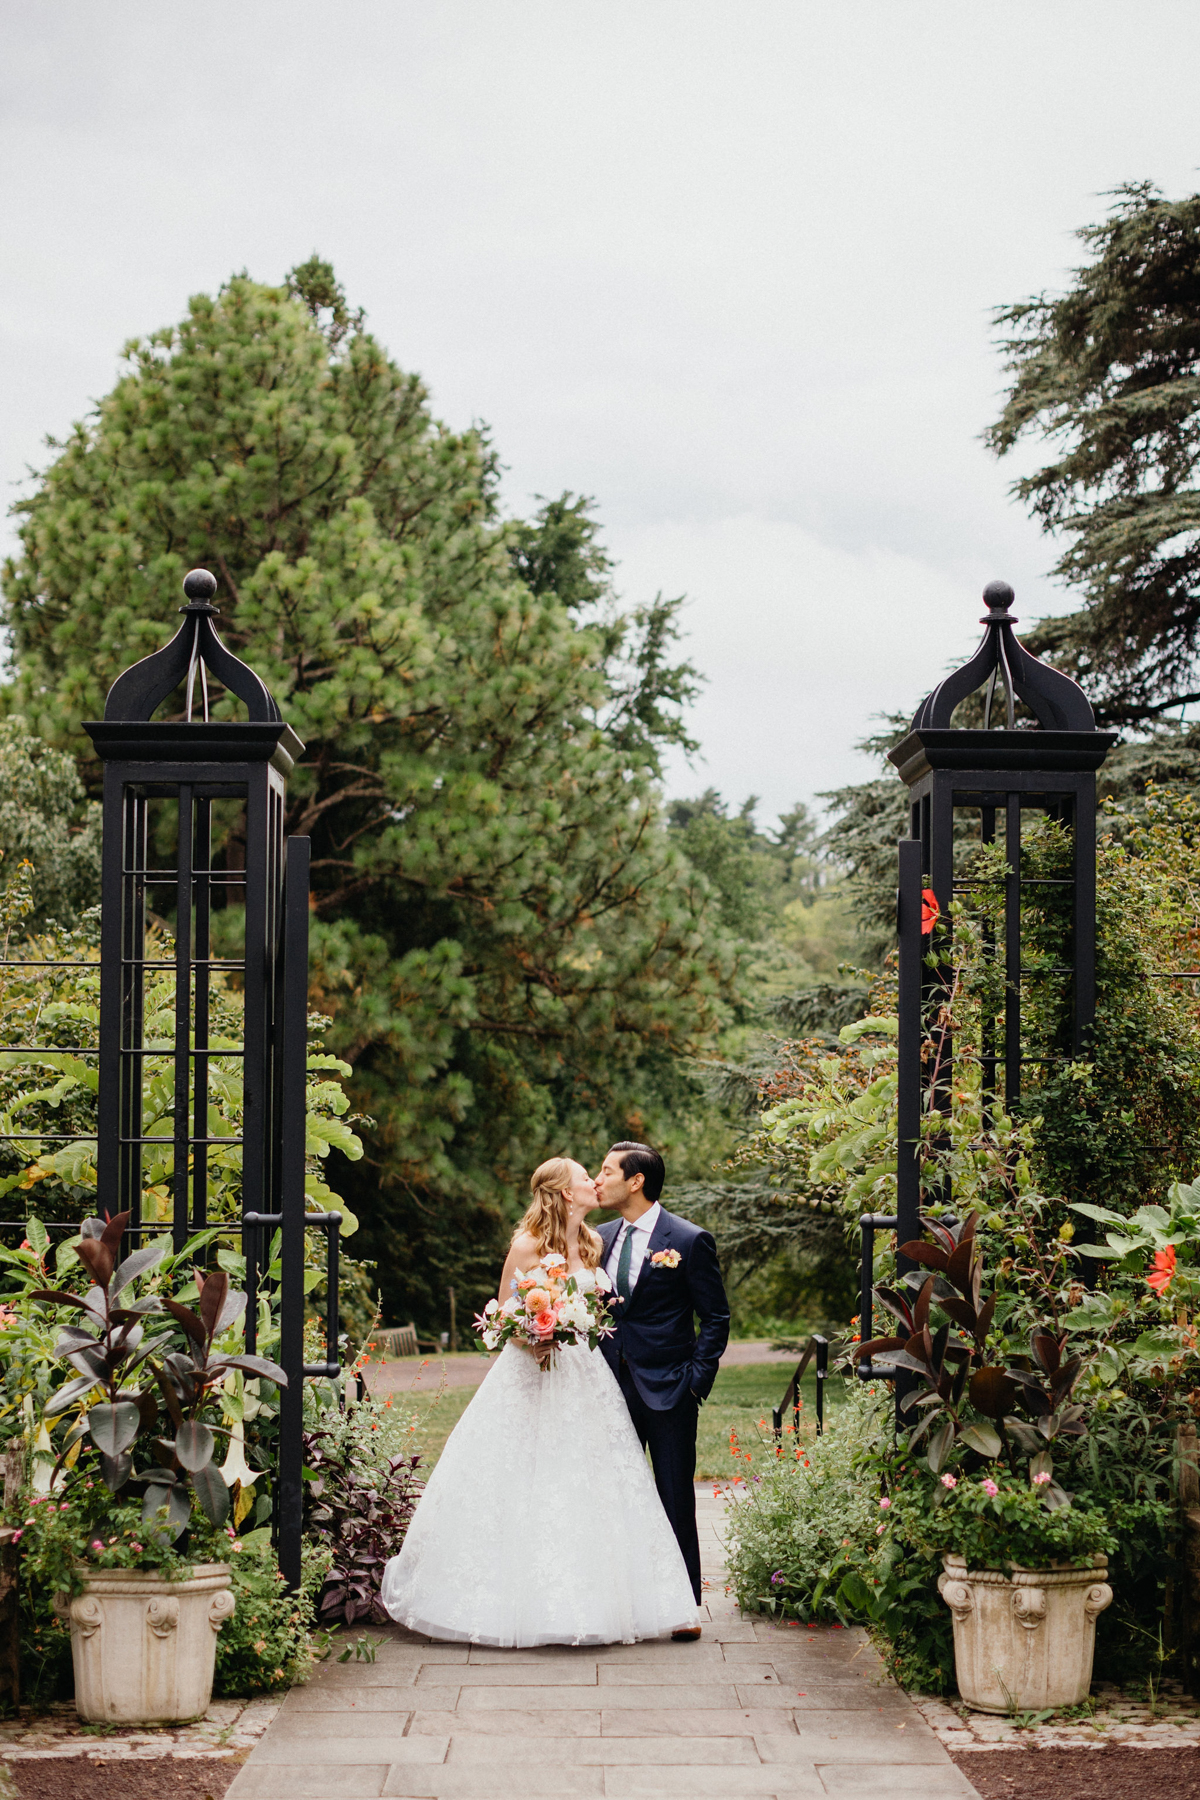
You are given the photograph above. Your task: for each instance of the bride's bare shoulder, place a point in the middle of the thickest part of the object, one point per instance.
(524, 1249)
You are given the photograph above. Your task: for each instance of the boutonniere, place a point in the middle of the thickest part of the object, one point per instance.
(665, 1259)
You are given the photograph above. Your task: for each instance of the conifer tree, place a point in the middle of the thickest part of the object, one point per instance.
(513, 954)
(1107, 374)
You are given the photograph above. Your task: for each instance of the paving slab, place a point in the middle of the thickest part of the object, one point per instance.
(665, 1722)
(679, 1675)
(524, 1721)
(466, 1783)
(330, 1781)
(632, 1784)
(854, 1778)
(568, 1699)
(811, 1741)
(560, 1673)
(305, 1728)
(302, 1702)
(615, 1752)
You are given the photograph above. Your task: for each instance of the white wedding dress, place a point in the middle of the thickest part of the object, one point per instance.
(541, 1523)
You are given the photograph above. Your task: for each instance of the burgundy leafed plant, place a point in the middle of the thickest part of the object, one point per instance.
(110, 1347)
(953, 1370)
(361, 1509)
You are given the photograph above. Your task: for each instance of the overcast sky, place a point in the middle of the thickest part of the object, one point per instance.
(726, 267)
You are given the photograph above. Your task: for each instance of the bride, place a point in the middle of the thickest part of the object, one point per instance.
(541, 1523)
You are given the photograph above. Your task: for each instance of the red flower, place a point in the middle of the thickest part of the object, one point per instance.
(1163, 1270)
(931, 912)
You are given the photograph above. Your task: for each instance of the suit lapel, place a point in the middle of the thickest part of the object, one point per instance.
(660, 1239)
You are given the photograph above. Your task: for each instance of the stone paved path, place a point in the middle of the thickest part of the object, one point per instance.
(749, 1710)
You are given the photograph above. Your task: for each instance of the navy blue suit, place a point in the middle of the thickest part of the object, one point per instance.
(663, 1369)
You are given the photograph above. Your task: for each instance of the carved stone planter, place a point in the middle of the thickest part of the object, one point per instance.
(1024, 1642)
(144, 1647)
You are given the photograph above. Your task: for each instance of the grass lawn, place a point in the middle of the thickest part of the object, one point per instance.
(439, 1416)
(741, 1396)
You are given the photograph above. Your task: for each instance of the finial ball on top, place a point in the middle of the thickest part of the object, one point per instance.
(199, 585)
(998, 596)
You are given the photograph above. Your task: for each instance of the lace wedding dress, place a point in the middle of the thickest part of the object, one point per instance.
(541, 1523)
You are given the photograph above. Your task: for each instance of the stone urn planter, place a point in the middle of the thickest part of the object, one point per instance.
(144, 1647)
(1024, 1642)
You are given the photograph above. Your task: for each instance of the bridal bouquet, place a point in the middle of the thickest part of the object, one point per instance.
(547, 1307)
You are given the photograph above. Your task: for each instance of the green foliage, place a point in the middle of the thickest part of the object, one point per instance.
(1109, 373)
(797, 1529)
(1117, 1128)
(359, 1503)
(47, 820)
(267, 1645)
(509, 947)
(868, 819)
(1043, 1427)
(1012, 1527)
(46, 1092)
(754, 874)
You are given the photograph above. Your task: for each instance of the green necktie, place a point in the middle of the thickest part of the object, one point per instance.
(623, 1264)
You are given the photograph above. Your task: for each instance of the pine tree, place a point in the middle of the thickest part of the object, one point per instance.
(513, 953)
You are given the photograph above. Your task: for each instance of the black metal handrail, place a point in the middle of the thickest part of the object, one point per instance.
(819, 1347)
(331, 1224)
(869, 1224)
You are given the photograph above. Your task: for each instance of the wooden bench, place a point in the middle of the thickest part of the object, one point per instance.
(402, 1340)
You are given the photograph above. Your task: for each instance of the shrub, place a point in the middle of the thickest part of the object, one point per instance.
(996, 1523)
(794, 1531)
(362, 1491)
(266, 1645)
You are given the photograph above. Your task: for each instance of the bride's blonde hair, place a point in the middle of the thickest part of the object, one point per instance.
(546, 1217)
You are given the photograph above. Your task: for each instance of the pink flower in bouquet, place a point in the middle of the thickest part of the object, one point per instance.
(543, 1325)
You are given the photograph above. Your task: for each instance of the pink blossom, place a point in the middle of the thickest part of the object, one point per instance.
(1042, 1479)
(885, 1503)
(990, 1489)
(17, 1535)
(949, 1481)
(97, 1544)
(137, 1549)
(879, 1529)
(65, 1507)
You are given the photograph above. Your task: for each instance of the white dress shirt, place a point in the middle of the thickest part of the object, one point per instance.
(641, 1229)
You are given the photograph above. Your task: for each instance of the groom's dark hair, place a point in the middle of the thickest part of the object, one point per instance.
(640, 1159)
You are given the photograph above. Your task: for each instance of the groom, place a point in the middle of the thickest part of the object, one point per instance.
(663, 1270)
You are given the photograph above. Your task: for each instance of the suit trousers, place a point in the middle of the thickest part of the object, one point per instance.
(671, 1439)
